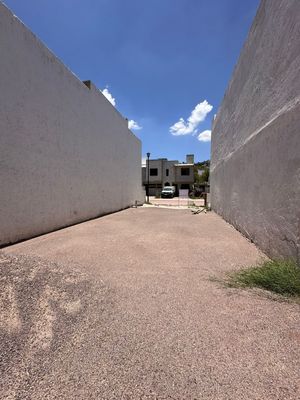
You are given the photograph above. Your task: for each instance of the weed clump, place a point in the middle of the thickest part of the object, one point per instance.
(282, 277)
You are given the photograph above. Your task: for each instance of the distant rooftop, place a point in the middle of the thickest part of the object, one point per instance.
(184, 165)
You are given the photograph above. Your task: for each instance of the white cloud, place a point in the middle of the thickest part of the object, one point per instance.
(133, 125)
(109, 97)
(144, 161)
(205, 136)
(190, 126)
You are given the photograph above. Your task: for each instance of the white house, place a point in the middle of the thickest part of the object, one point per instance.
(163, 172)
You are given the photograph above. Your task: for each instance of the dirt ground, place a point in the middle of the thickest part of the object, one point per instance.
(129, 306)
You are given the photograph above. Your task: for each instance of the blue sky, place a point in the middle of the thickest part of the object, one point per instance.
(161, 60)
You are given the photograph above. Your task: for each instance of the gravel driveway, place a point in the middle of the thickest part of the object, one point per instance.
(124, 307)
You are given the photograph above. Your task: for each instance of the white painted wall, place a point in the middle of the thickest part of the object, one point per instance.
(161, 165)
(66, 154)
(255, 159)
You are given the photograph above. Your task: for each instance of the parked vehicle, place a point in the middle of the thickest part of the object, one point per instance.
(168, 191)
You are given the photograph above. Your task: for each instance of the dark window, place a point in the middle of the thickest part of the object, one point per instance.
(185, 171)
(185, 186)
(153, 172)
(167, 172)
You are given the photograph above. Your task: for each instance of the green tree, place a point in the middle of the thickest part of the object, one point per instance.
(203, 168)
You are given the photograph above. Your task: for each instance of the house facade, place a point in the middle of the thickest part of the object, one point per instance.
(164, 172)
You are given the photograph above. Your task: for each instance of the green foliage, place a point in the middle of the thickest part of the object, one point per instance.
(203, 164)
(204, 176)
(282, 277)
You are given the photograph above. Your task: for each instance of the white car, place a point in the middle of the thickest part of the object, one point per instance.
(168, 191)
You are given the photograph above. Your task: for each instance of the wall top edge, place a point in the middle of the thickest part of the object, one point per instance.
(93, 88)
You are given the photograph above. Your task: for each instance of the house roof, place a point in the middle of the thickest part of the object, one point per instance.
(184, 165)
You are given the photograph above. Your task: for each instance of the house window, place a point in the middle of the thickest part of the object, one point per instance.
(185, 171)
(167, 172)
(153, 172)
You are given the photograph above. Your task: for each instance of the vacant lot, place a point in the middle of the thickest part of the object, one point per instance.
(176, 201)
(124, 307)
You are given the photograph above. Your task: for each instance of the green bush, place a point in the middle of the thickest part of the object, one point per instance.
(282, 277)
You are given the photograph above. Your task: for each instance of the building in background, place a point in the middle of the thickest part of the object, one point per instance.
(66, 153)
(255, 157)
(164, 172)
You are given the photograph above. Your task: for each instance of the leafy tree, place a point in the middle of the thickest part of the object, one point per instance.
(204, 174)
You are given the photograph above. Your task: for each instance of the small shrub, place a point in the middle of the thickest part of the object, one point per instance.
(282, 277)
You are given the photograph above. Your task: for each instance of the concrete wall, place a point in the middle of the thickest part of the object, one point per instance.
(66, 154)
(171, 177)
(184, 178)
(255, 160)
(155, 164)
(161, 165)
